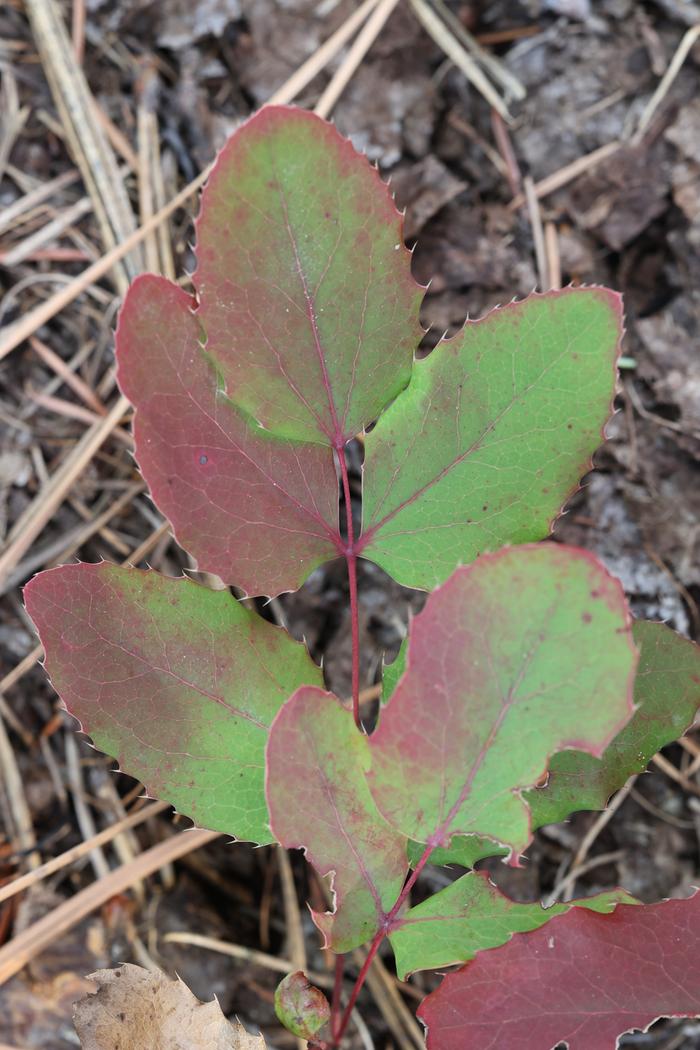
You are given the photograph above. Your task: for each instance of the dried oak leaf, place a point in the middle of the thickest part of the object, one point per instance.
(135, 1008)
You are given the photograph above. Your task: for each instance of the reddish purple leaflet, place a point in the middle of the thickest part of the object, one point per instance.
(254, 508)
(582, 979)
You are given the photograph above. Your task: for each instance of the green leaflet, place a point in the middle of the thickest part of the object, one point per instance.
(493, 432)
(472, 915)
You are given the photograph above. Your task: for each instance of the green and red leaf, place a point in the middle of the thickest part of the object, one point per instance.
(583, 980)
(319, 801)
(518, 656)
(666, 698)
(304, 282)
(179, 683)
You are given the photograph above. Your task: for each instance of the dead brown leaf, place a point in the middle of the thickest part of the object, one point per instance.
(135, 1008)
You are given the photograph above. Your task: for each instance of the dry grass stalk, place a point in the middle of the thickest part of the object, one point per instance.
(82, 811)
(88, 143)
(20, 252)
(343, 75)
(295, 932)
(44, 506)
(508, 81)
(457, 53)
(551, 246)
(18, 209)
(102, 838)
(535, 216)
(240, 951)
(67, 375)
(317, 62)
(15, 955)
(21, 816)
(567, 174)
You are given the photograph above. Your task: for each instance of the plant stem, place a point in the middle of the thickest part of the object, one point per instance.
(337, 992)
(386, 927)
(351, 560)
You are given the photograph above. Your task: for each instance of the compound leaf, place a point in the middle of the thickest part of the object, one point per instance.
(469, 916)
(524, 653)
(305, 291)
(495, 429)
(319, 802)
(257, 510)
(178, 682)
(666, 696)
(582, 980)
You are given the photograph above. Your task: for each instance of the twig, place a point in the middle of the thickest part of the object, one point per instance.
(20, 252)
(669, 76)
(602, 821)
(43, 507)
(67, 375)
(505, 148)
(566, 884)
(36, 196)
(670, 770)
(15, 955)
(341, 78)
(551, 248)
(456, 52)
(78, 30)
